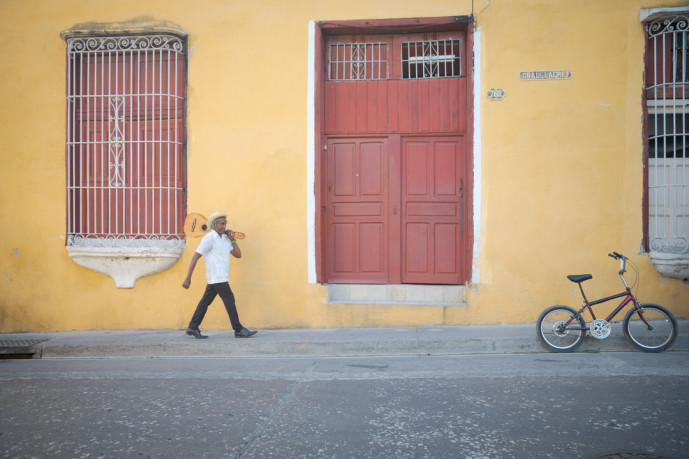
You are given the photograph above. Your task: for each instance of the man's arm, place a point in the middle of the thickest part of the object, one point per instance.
(192, 265)
(236, 251)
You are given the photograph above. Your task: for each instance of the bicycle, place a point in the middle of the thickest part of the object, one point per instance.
(649, 326)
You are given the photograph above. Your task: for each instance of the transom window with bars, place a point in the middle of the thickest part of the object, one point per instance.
(126, 161)
(358, 61)
(431, 59)
(667, 95)
(417, 60)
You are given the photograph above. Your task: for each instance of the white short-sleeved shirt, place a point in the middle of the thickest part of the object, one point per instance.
(216, 252)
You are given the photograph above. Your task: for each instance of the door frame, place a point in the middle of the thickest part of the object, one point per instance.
(387, 26)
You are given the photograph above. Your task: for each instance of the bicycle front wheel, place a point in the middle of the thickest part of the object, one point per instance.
(560, 329)
(651, 328)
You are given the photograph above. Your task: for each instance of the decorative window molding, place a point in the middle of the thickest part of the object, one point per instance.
(126, 147)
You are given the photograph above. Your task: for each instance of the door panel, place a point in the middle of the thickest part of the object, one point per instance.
(357, 210)
(432, 219)
(364, 220)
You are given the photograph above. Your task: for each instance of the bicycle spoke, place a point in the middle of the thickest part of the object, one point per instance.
(555, 331)
(651, 329)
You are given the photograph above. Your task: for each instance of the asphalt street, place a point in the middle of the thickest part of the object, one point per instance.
(535, 405)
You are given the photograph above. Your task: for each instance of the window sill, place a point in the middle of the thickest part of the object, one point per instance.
(125, 265)
(675, 265)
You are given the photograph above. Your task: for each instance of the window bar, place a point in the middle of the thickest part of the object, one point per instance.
(339, 63)
(106, 101)
(146, 84)
(70, 144)
(673, 181)
(170, 212)
(160, 143)
(409, 50)
(86, 146)
(157, 145)
(653, 148)
(684, 187)
(130, 140)
(72, 138)
(116, 151)
(175, 151)
(78, 148)
(342, 62)
(330, 59)
(380, 63)
(101, 189)
(658, 113)
(138, 142)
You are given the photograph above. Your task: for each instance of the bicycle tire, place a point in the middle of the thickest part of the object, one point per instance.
(560, 340)
(656, 339)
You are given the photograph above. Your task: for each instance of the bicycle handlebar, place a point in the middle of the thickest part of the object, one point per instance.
(623, 261)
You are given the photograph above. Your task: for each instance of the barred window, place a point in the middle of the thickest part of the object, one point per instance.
(667, 95)
(358, 61)
(126, 161)
(431, 59)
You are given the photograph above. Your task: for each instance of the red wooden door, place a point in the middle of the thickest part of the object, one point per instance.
(433, 177)
(396, 127)
(357, 210)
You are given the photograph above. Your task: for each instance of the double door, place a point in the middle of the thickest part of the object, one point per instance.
(395, 210)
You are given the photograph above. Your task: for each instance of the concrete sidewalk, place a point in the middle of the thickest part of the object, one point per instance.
(295, 343)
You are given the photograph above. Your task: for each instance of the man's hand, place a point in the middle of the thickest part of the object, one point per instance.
(192, 265)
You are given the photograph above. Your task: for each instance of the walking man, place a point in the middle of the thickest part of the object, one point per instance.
(216, 247)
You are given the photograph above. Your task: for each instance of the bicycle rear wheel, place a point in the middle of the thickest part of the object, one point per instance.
(556, 333)
(660, 332)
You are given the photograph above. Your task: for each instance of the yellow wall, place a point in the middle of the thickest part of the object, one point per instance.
(561, 175)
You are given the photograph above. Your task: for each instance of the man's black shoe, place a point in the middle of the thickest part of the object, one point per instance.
(244, 333)
(195, 333)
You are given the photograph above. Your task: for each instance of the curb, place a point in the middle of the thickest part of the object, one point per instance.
(305, 343)
(254, 348)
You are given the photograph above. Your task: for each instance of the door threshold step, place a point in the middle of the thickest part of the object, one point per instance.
(409, 294)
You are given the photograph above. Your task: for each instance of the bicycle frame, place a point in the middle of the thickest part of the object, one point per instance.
(628, 298)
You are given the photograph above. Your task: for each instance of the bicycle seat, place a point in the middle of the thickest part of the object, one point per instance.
(580, 278)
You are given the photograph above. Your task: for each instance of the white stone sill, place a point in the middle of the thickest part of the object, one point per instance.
(125, 265)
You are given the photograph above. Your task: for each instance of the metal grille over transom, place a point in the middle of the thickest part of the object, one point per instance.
(358, 61)
(667, 95)
(431, 59)
(126, 170)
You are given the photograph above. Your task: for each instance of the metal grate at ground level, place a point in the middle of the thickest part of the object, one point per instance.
(18, 348)
(20, 342)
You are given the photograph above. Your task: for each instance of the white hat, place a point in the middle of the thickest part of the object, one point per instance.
(214, 216)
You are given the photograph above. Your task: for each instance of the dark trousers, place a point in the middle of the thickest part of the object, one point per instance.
(212, 290)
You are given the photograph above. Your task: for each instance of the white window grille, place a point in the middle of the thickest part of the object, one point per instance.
(126, 170)
(431, 59)
(358, 61)
(667, 92)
